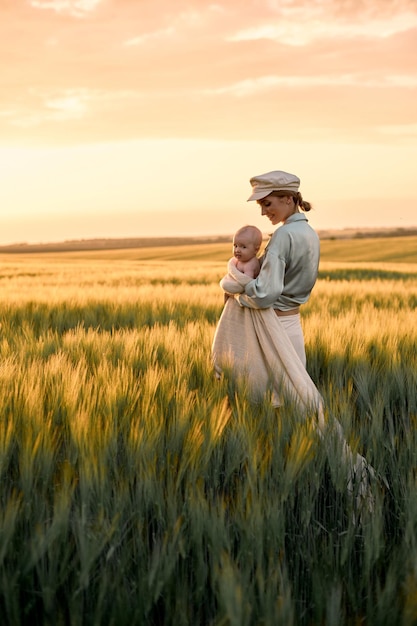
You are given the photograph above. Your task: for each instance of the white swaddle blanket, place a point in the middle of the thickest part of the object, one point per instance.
(254, 346)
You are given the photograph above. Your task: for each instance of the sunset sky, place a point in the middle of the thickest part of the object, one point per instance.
(130, 118)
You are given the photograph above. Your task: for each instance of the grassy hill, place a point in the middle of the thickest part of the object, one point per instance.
(386, 250)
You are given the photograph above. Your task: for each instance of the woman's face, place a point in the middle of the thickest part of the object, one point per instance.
(277, 209)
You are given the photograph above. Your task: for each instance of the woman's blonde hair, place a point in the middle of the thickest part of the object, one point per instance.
(298, 199)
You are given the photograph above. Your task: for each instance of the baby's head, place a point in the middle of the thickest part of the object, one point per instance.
(246, 242)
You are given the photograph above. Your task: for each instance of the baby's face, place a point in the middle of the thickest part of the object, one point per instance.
(244, 248)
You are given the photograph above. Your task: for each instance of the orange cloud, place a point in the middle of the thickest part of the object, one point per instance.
(74, 8)
(170, 60)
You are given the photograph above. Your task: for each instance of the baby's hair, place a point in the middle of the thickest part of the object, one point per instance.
(253, 231)
(298, 199)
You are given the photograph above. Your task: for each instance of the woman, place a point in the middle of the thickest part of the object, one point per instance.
(259, 334)
(291, 259)
(259, 337)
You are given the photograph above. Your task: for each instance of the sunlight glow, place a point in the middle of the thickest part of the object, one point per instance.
(124, 117)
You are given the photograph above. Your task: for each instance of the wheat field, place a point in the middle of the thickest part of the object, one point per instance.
(137, 489)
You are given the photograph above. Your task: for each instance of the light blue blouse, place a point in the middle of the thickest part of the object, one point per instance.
(289, 268)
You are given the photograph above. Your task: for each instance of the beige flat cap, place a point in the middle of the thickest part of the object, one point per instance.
(264, 184)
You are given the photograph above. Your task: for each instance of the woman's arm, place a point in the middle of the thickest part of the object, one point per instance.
(263, 291)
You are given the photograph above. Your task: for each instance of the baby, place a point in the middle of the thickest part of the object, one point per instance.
(246, 244)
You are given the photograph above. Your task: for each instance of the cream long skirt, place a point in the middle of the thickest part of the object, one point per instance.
(293, 328)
